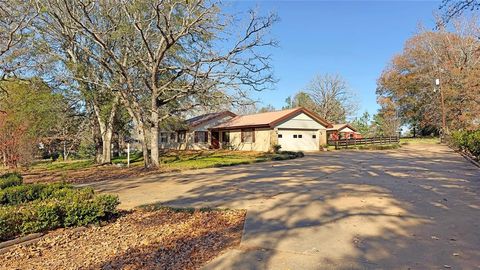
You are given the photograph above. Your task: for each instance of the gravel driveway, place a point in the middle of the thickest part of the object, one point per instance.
(417, 207)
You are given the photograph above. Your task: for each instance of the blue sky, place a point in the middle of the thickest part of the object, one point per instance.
(355, 39)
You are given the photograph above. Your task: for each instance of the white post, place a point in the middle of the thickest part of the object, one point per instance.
(128, 155)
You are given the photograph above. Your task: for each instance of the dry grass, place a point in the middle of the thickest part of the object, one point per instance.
(159, 238)
(425, 140)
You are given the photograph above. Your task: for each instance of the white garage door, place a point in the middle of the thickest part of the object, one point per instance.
(298, 140)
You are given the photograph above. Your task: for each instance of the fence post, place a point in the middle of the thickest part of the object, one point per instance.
(336, 144)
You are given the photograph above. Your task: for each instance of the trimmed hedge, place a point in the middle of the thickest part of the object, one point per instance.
(467, 141)
(10, 180)
(40, 207)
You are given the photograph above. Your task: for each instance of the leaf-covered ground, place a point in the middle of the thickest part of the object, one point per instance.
(83, 171)
(156, 239)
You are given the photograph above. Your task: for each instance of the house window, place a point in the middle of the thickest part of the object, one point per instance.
(200, 136)
(226, 137)
(163, 137)
(181, 136)
(295, 136)
(248, 135)
(299, 135)
(279, 135)
(172, 136)
(314, 136)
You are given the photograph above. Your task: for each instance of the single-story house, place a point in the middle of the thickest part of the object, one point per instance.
(195, 134)
(342, 131)
(295, 129)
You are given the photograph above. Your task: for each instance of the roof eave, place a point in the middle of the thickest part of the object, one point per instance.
(296, 112)
(240, 127)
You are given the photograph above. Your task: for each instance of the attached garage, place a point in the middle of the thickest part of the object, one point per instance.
(294, 130)
(298, 140)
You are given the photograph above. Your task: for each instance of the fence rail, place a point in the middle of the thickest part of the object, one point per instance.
(345, 143)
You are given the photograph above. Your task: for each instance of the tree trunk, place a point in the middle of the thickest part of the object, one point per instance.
(154, 135)
(116, 146)
(65, 153)
(97, 140)
(106, 129)
(142, 136)
(134, 111)
(107, 147)
(98, 149)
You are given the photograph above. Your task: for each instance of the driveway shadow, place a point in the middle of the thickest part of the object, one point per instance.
(416, 207)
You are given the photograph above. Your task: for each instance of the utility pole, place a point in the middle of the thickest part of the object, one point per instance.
(442, 101)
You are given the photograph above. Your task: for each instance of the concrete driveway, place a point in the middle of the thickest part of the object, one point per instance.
(417, 207)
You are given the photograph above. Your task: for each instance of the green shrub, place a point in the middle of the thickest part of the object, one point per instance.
(292, 154)
(30, 192)
(10, 222)
(276, 148)
(39, 207)
(467, 141)
(79, 213)
(40, 216)
(20, 194)
(10, 180)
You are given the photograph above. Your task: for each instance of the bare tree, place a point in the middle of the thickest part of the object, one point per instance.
(167, 57)
(76, 71)
(455, 8)
(333, 98)
(15, 17)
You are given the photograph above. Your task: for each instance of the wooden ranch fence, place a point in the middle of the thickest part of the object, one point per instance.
(363, 141)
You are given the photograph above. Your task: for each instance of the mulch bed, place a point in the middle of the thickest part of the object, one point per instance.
(141, 239)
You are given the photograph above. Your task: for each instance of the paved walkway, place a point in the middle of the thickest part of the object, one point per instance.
(411, 208)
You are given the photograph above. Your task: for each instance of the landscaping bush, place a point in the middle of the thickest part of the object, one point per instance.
(10, 180)
(276, 148)
(80, 212)
(284, 155)
(467, 141)
(40, 216)
(27, 193)
(293, 154)
(39, 207)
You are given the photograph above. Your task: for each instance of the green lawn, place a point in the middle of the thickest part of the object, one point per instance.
(208, 159)
(172, 160)
(135, 159)
(64, 165)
